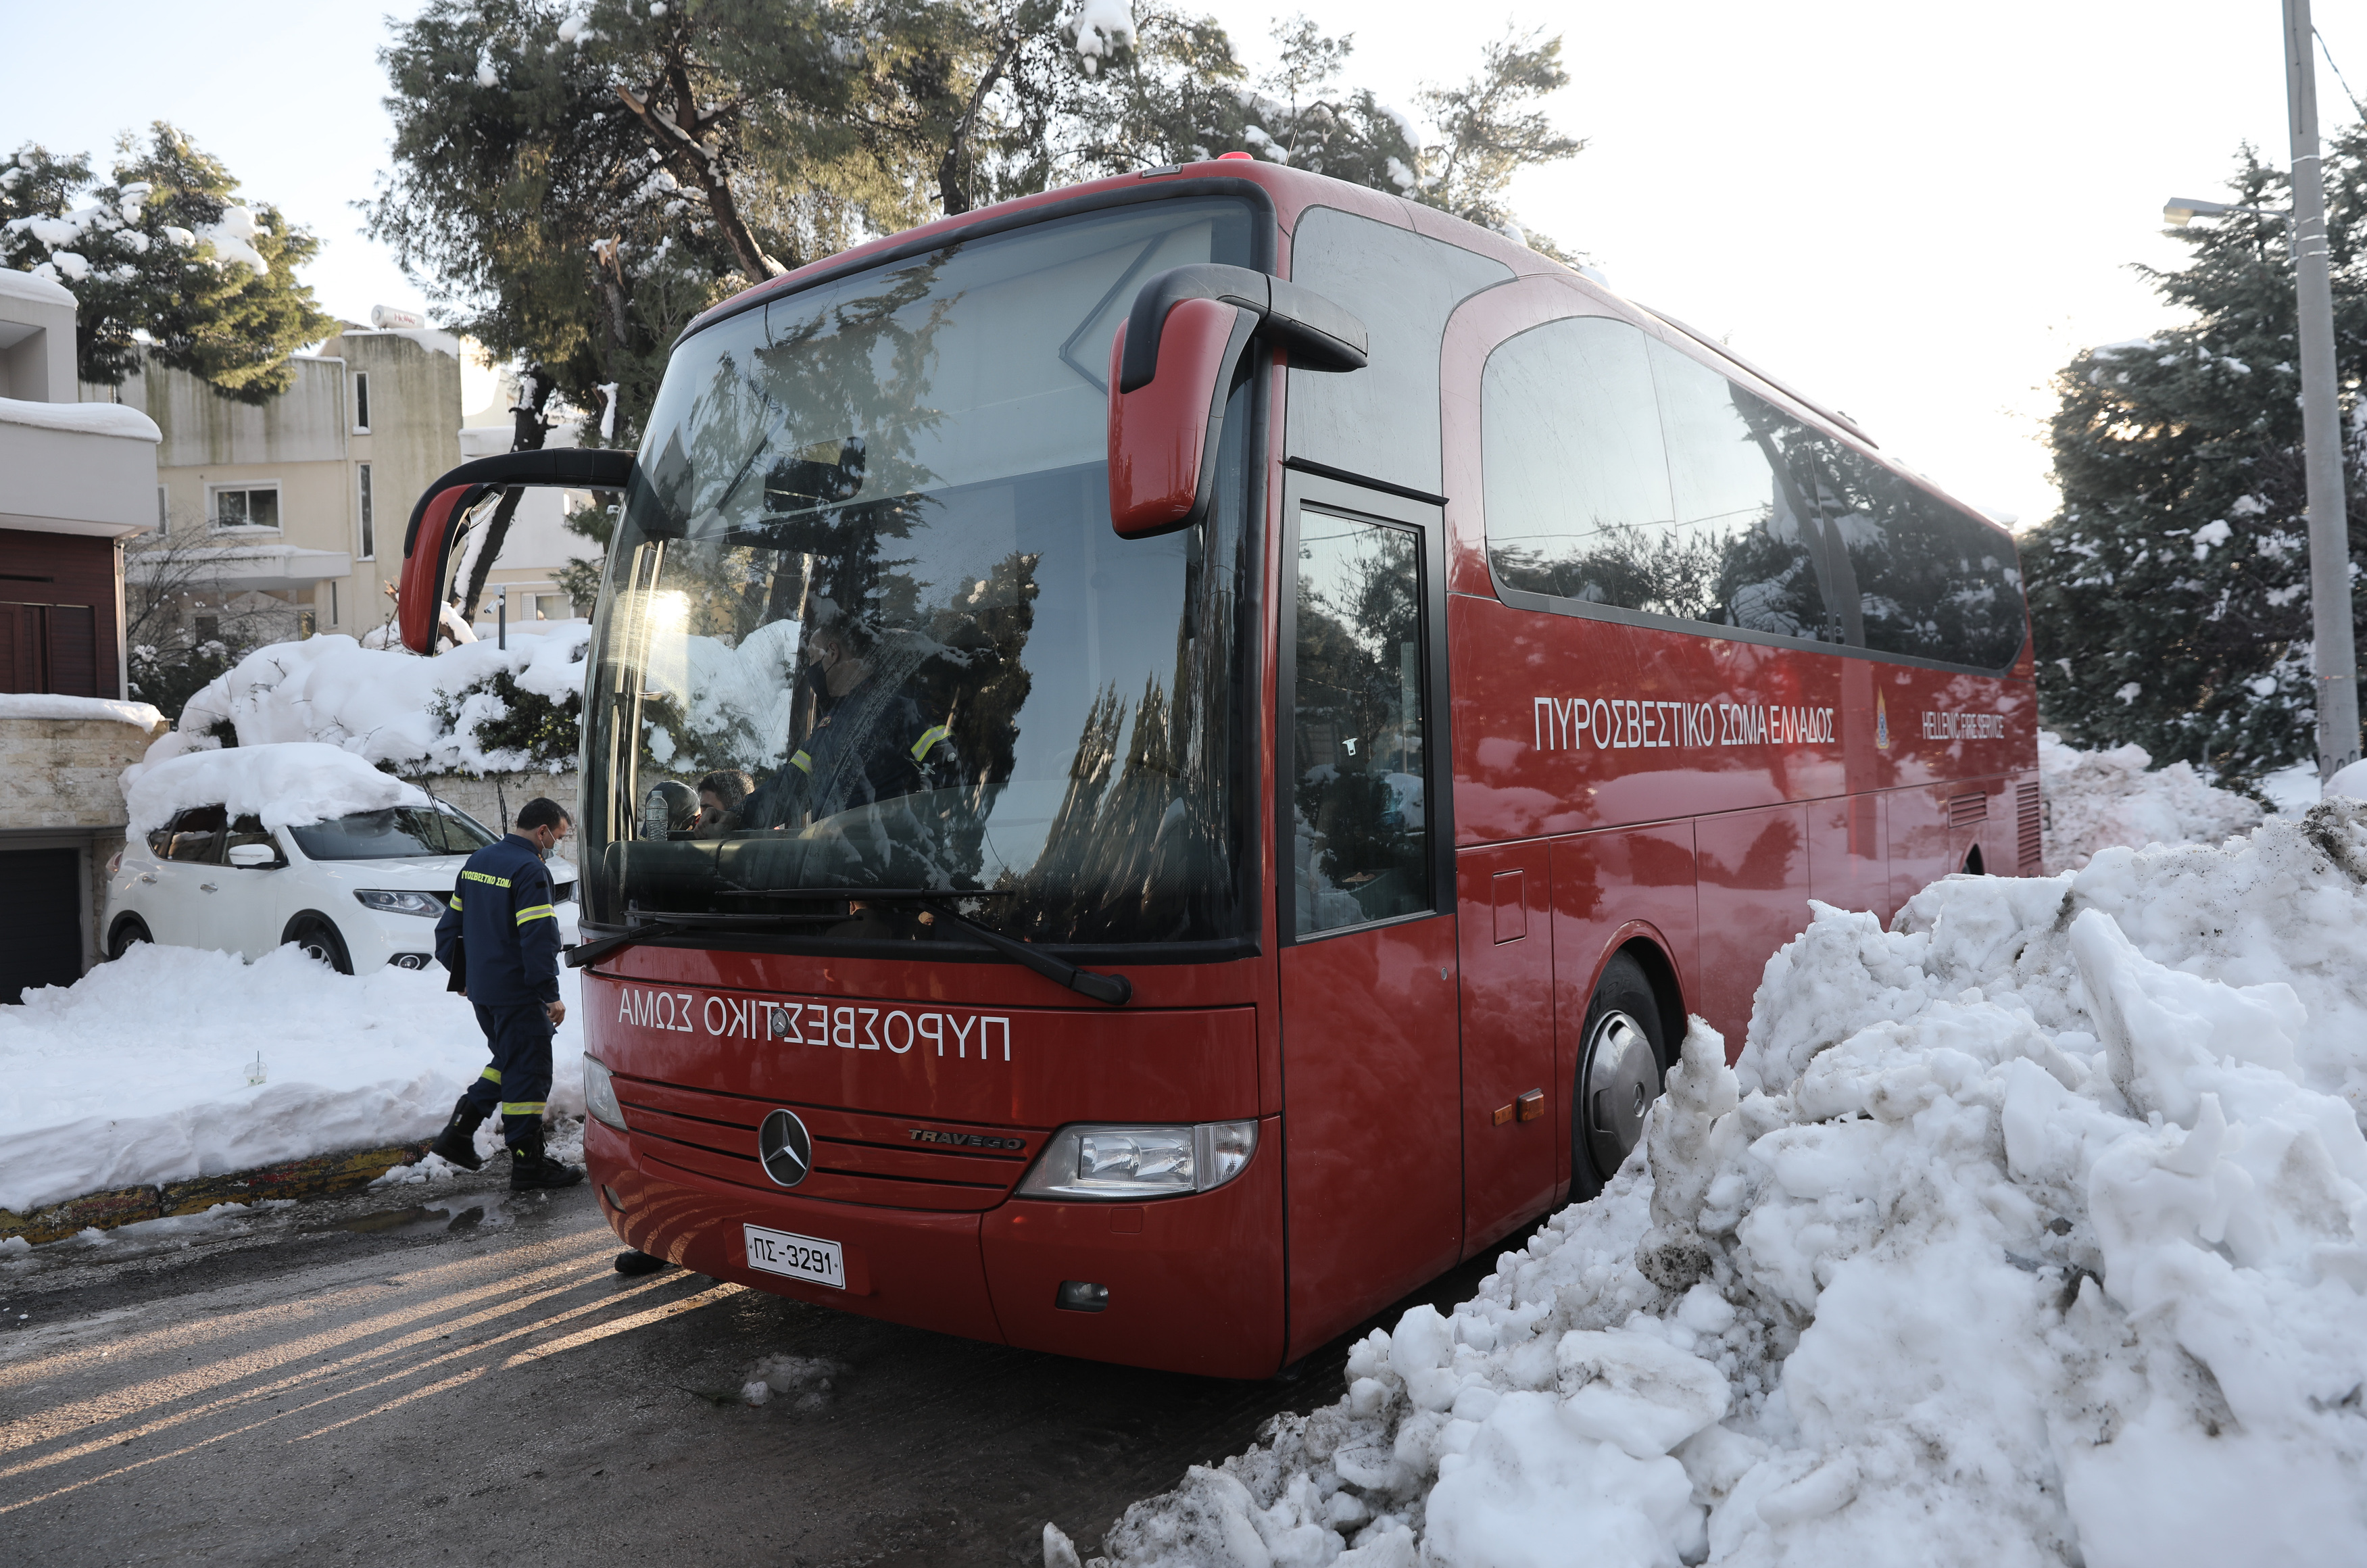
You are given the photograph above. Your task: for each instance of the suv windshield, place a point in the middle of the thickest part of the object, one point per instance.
(399, 832)
(866, 625)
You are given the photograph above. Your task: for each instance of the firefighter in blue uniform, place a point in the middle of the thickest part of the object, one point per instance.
(500, 939)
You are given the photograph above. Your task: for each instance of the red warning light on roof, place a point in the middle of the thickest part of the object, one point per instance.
(1222, 156)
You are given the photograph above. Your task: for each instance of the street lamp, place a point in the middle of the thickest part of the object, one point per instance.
(2335, 658)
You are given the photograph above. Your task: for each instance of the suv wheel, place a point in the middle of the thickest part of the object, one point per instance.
(319, 939)
(128, 930)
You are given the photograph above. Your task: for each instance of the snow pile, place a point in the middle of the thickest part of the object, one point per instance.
(2030, 1232)
(295, 782)
(378, 704)
(2098, 799)
(105, 710)
(137, 1072)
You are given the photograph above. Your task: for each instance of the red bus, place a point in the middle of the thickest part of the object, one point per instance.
(1237, 716)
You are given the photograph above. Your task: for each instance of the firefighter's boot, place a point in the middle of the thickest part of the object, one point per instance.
(531, 1170)
(457, 1142)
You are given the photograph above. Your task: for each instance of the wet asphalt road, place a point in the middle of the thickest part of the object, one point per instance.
(453, 1375)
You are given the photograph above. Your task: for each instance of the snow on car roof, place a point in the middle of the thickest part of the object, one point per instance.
(287, 783)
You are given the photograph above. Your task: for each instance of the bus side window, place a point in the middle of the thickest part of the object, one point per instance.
(1740, 471)
(1361, 849)
(1933, 581)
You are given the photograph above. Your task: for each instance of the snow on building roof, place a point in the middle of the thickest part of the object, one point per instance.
(291, 783)
(49, 705)
(434, 338)
(84, 419)
(40, 290)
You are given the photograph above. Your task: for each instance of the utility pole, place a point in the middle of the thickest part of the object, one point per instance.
(2321, 416)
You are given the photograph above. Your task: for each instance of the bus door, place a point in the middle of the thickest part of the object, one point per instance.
(1371, 1082)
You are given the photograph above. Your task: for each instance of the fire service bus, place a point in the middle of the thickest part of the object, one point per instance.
(1164, 762)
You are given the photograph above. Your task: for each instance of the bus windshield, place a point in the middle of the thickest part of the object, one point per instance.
(867, 629)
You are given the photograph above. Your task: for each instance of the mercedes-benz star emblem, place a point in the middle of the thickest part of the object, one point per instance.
(785, 1147)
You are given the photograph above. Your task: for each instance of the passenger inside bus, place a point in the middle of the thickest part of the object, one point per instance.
(869, 738)
(721, 796)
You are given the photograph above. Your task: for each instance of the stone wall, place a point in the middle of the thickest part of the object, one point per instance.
(495, 798)
(61, 783)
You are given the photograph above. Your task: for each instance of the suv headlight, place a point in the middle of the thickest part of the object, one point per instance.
(394, 901)
(1108, 1162)
(600, 1094)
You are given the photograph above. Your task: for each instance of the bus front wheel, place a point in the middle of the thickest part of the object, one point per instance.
(1618, 1075)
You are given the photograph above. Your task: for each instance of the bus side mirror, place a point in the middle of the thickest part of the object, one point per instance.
(436, 522)
(1172, 366)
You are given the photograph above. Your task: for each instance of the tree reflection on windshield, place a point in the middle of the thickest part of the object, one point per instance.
(871, 566)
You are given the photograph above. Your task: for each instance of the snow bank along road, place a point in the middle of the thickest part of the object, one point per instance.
(419, 1373)
(2029, 1230)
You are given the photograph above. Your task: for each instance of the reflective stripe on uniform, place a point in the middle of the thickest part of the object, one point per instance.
(456, 900)
(491, 1075)
(481, 877)
(802, 762)
(537, 913)
(928, 738)
(523, 1106)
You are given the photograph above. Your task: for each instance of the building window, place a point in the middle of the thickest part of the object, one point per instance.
(164, 510)
(333, 602)
(361, 403)
(244, 506)
(369, 532)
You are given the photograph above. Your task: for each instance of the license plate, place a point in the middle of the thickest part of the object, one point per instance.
(810, 1259)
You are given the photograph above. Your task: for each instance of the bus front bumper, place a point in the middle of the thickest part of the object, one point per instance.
(1192, 1284)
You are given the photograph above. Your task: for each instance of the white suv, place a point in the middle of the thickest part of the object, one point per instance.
(355, 892)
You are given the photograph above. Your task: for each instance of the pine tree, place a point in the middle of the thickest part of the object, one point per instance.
(164, 259)
(2170, 594)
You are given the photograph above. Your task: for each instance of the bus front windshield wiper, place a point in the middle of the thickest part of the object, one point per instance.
(1112, 990)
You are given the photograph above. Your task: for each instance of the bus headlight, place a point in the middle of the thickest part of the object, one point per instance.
(600, 1094)
(1109, 1162)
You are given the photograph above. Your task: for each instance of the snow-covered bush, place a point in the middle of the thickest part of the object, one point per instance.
(2032, 1231)
(2098, 799)
(452, 712)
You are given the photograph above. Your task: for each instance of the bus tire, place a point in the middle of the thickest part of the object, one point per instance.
(1619, 1075)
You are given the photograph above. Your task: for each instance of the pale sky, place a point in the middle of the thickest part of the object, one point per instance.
(1913, 213)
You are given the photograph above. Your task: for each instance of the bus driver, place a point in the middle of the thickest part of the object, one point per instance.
(869, 739)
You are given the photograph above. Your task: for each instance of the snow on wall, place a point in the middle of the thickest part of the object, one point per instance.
(81, 419)
(106, 710)
(2098, 799)
(291, 783)
(2032, 1231)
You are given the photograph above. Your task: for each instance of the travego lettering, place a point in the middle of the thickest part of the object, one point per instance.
(1625, 723)
(844, 1026)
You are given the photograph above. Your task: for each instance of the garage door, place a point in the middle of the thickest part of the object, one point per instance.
(40, 919)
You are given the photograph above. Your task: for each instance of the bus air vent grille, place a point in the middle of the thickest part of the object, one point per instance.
(1964, 810)
(898, 1162)
(2028, 822)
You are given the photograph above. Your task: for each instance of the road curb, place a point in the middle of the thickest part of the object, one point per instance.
(313, 1176)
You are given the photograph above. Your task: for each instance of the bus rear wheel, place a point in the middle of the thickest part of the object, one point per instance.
(1620, 1062)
